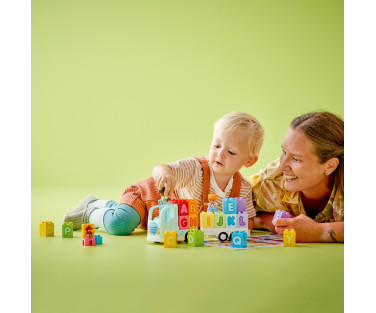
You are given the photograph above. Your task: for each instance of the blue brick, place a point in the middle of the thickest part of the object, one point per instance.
(229, 206)
(239, 239)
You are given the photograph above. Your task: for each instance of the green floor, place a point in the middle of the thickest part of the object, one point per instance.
(128, 274)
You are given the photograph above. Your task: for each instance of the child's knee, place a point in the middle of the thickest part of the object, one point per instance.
(121, 221)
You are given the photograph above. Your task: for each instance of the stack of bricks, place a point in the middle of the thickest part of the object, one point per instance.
(187, 213)
(233, 215)
(88, 237)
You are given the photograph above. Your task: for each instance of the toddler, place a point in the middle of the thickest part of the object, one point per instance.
(237, 141)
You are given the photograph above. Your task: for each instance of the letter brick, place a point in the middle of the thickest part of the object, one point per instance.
(67, 230)
(206, 220)
(193, 221)
(183, 222)
(242, 220)
(229, 206)
(192, 206)
(196, 238)
(289, 238)
(170, 239)
(46, 229)
(239, 239)
(231, 220)
(183, 207)
(220, 220)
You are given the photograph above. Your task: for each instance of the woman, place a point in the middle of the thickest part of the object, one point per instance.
(307, 181)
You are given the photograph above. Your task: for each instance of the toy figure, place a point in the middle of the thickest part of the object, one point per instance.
(212, 207)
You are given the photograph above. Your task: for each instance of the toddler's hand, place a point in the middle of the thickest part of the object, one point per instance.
(168, 181)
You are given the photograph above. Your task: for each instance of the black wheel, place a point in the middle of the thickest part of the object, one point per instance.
(186, 237)
(230, 238)
(223, 236)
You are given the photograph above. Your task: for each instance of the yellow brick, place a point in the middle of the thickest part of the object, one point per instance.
(87, 230)
(46, 229)
(289, 238)
(170, 239)
(207, 220)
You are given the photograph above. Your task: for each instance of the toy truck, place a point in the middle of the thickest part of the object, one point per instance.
(180, 216)
(222, 224)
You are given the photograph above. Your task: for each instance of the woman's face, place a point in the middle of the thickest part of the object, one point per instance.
(301, 167)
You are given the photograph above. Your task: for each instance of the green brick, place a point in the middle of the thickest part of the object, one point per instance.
(67, 230)
(196, 238)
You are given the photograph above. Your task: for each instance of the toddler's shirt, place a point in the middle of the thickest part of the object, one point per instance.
(190, 182)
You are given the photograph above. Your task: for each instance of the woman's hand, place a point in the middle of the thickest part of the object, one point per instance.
(308, 230)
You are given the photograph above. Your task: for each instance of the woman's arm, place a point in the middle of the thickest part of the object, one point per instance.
(250, 224)
(308, 230)
(264, 221)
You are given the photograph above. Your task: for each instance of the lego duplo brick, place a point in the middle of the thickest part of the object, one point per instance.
(88, 241)
(219, 220)
(207, 220)
(183, 207)
(67, 230)
(87, 230)
(239, 239)
(231, 220)
(289, 238)
(46, 229)
(240, 205)
(281, 214)
(98, 239)
(193, 221)
(170, 239)
(196, 238)
(242, 220)
(183, 222)
(229, 206)
(192, 206)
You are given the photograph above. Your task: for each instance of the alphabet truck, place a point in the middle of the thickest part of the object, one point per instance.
(177, 215)
(181, 216)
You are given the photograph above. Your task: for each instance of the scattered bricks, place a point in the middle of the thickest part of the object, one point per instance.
(196, 238)
(46, 229)
(67, 230)
(239, 239)
(170, 239)
(289, 238)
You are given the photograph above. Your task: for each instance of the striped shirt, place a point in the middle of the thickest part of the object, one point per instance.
(189, 175)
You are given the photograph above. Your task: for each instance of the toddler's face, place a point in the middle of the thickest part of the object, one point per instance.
(229, 152)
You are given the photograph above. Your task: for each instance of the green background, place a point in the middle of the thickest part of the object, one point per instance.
(120, 86)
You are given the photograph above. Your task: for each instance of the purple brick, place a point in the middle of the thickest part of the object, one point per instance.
(281, 214)
(240, 204)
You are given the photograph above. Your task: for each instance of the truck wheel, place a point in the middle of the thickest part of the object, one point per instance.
(222, 236)
(186, 237)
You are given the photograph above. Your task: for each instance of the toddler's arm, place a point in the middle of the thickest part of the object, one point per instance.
(164, 177)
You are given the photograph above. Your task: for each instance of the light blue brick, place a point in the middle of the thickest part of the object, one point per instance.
(239, 239)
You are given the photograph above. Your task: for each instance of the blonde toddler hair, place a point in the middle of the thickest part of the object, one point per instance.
(243, 121)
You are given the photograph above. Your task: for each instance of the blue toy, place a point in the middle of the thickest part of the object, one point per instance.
(239, 239)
